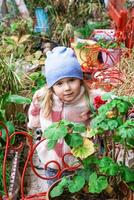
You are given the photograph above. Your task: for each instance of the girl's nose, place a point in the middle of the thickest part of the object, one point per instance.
(66, 86)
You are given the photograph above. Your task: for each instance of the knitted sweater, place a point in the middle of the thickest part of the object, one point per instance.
(76, 111)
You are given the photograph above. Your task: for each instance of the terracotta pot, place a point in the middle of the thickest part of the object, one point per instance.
(129, 197)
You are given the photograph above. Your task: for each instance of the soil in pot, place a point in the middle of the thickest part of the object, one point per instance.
(76, 196)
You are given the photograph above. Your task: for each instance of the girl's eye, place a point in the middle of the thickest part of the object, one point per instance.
(71, 79)
(59, 83)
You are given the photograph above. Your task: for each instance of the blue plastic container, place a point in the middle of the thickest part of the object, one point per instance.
(42, 24)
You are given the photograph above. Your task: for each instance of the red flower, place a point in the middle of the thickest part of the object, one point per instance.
(98, 102)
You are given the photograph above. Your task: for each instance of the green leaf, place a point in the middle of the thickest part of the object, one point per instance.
(85, 172)
(126, 132)
(34, 75)
(94, 132)
(67, 123)
(113, 124)
(132, 187)
(127, 174)
(18, 99)
(103, 125)
(20, 117)
(55, 131)
(79, 128)
(107, 96)
(108, 167)
(74, 140)
(11, 129)
(130, 142)
(56, 191)
(64, 181)
(103, 109)
(51, 144)
(2, 115)
(96, 121)
(76, 184)
(97, 184)
(90, 160)
(123, 107)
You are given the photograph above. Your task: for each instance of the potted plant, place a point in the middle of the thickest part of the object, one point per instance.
(110, 50)
(103, 175)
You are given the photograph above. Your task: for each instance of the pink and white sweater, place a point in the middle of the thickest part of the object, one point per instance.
(76, 111)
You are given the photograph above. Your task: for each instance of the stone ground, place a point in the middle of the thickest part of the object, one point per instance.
(33, 183)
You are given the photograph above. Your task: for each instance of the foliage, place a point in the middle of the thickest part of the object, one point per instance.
(7, 174)
(109, 44)
(38, 80)
(101, 169)
(4, 101)
(86, 31)
(62, 16)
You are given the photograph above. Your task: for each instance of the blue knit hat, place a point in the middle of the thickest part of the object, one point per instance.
(60, 63)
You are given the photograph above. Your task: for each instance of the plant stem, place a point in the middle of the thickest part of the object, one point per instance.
(125, 152)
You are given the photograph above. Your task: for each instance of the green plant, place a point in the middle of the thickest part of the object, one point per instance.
(1, 171)
(5, 100)
(109, 44)
(87, 30)
(38, 81)
(101, 171)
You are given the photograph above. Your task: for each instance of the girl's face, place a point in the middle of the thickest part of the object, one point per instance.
(67, 89)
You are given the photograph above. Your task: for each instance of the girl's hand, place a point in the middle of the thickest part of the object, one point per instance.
(85, 115)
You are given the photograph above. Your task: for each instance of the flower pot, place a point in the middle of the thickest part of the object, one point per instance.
(111, 56)
(66, 195)
(87, 53)
(84, 194)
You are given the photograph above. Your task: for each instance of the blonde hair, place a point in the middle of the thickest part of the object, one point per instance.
(48, 98)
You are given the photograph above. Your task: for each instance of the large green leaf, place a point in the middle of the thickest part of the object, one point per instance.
(97, 184)
(18, 99)
(58, 190)
(108, 167)
(74, 140)
(113, 124)
(55, 131)
(104, 125)
(76, 184)
(79, 128)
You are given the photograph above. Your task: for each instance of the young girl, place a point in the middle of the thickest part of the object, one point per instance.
(65, 97)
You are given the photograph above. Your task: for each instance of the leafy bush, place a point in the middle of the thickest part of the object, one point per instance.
(101, 170)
